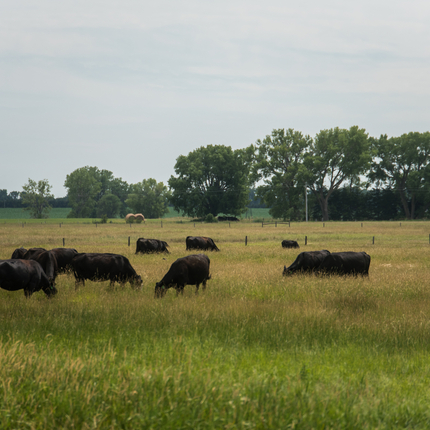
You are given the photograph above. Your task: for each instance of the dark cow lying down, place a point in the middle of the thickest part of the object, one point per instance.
(45, 258)
(346, 263)
(146, 246)
(290, 244)
(306, 262)
(190, 270)
(200, 242)
(26, 275)
(103, 267)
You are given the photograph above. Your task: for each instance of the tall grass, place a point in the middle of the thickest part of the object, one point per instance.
(255, 350)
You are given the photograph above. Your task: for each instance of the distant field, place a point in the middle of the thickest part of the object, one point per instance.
(61, 214)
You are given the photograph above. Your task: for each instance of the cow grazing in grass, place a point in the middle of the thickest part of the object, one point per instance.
(64, 258)
(190, 270)
(103, 267)
(346, 263)
(27, 275)
(290, 244)
(306, 262)
(200, 242)
(146, 246)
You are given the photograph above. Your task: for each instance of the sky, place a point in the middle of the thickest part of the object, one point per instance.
(129, 86)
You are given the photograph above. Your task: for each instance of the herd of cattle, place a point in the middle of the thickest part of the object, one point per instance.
(36, 269)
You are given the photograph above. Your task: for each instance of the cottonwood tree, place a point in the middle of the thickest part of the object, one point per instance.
(212, 179)
(277, 161)
(87, 188)
(333, 157)
(35, 197)
(82, 189)
(403, 164)
(149, 198)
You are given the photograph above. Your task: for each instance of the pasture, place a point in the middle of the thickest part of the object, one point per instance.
(255, 350)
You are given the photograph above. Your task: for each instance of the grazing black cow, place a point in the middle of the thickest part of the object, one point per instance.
(346, 263)
(20, 252)
(306, 262)
(190, 270)
(103, 267)
(146, 246)
(27, 275)
(64, 258)
(45, 258)
(200, 242)
(290, 244)
(228, 218)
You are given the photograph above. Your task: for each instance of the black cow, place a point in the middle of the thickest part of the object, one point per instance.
(145, 246)
(200, 242)
(346, 263)
(45, 258)
(20, 252)
(27, 275)
(228, 218)
(306, 262)
(290, 244)
(103, 267)
(64, 258)
(190, 270)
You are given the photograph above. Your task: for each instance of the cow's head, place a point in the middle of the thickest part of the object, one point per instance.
(137, 282)
(50, 290)
(160, 289)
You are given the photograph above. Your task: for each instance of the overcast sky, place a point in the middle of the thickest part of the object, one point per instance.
(128, 86)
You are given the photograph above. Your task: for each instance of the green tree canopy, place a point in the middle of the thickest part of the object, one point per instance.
(35, 197)
(149, 198)
(87, 187)
(335, 156)
(82, 189)
(109, 205)
(403, 163)
(211, 180)
(277, 162)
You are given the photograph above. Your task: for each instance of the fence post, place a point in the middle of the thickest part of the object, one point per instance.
(246, 240)
(128, 240)
(306, 240)
(64, 241)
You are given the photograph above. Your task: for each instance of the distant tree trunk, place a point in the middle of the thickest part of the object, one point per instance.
(404, 203)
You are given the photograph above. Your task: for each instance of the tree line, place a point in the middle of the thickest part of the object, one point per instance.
(343, 173)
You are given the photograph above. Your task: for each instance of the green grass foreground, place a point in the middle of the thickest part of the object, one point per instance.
(255, 350)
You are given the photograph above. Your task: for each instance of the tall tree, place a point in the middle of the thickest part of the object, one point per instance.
(109, 205)
(403, 164)
(149, 198)
(277, 162)
(211, 180)
(35, 197)
(335, 156)
(82, 189)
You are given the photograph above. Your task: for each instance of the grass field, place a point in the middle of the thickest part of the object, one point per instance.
(255, 350)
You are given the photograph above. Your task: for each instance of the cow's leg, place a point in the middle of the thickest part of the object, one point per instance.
(78, 282)
(204, 285)
(27, 293)
(197, 289)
